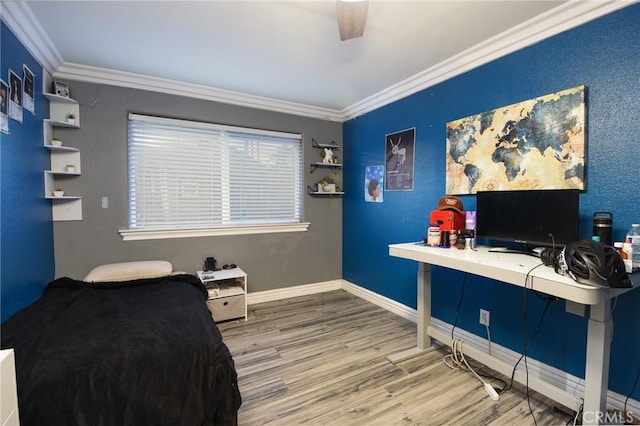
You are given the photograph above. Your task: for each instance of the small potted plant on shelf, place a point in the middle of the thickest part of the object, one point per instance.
(56, 142)
(58, 192)
(327, 184)
(71, 119)
(71, 168)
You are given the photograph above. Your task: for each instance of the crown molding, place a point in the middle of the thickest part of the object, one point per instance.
(20, 19)
(24, 25)
(562, 18)
(98, 75)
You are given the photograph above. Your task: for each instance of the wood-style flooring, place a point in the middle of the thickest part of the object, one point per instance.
(322, 360)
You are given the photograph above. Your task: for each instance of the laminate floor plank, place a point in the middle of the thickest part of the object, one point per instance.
(322, 360)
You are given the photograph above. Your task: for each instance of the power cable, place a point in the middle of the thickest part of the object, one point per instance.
(455, 322)
(535, 333)
(458, 359)
(525, 345)
(528, 344)
(633, 388)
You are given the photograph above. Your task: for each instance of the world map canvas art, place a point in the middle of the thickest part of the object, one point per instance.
(534, 144)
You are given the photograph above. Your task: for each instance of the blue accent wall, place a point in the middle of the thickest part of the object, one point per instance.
(26, 228)
(603, 55)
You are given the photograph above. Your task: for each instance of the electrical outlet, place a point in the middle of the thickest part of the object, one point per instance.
(484, 317)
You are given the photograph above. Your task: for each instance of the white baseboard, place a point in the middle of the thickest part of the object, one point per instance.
(567, 383)
(384, 302)
(288, 292)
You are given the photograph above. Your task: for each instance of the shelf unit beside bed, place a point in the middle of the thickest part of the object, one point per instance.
(227, 293)
(67, 207)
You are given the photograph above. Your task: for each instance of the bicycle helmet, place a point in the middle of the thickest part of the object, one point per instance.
(592, 262)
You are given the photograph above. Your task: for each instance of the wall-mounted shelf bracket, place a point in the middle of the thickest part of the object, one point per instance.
(339, 192)
(331, 145)
(335, 168)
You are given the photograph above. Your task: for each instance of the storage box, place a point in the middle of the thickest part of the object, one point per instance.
(447, 219)
(229, 305)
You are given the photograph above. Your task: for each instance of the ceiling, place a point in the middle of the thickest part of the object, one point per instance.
(286, 54)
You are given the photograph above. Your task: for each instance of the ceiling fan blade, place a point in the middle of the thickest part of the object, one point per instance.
(352, 17)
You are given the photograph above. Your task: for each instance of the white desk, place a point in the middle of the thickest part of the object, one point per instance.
(516, 269)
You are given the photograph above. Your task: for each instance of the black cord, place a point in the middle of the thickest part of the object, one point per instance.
(633, 388)
(489, 376)
(525, 345)
(535, 333)
(455, 323)
(570, 415)
(526, 368)
(545, 297)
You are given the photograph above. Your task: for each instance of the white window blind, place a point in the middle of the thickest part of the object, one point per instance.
(190, 175)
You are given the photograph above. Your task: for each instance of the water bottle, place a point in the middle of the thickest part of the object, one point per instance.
(633, 237)
(602, 224)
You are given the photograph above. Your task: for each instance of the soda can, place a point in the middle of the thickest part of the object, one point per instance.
(453, 237)
(446, 237)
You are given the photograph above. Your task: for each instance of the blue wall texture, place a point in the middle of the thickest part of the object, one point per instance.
(26, 231)
(604, 56)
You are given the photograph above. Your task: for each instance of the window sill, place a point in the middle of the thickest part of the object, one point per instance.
(135, 235)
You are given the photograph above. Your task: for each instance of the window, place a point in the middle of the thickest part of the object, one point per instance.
(193, 178)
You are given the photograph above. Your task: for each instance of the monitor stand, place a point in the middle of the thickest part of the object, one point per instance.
(508, 250)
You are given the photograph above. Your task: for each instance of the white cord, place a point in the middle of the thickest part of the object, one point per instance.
(575, 419)
(488, 337)
(459, 361)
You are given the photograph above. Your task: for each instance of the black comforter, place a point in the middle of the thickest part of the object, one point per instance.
(143, 352)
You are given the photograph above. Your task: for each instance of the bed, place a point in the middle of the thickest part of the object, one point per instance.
(142, 351)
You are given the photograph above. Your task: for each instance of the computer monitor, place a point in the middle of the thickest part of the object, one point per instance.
(531, 218)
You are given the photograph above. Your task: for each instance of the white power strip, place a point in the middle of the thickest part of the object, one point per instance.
(491, 392)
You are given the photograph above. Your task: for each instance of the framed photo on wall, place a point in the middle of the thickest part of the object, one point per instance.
(539, 143)
(4, 102)
(399, 160)
(15, 96)
(27, 99)
(373, 181)
(60, 89)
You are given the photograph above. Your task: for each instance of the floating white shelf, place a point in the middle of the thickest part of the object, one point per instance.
(62, 123)
(64, 197)
(68, 207)
(58, 98)
(310, 191)
(62, 148)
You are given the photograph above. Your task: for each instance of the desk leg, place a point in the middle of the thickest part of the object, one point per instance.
(596, 375)
(424, 316)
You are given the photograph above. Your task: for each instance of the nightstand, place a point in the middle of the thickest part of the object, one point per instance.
(227, 293)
